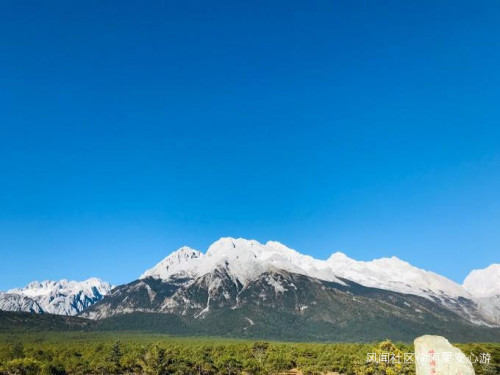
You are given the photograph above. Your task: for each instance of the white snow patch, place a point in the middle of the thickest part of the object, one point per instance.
(61, 297)
(484, 282)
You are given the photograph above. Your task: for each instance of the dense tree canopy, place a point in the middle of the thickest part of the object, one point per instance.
(102, 353)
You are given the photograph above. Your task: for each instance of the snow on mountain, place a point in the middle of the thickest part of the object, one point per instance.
(477, 300)
(55, 297)
(247, 259)
(489, 307)
(396, 275)
(243, 259)
(182, 262)
(484, 282)
(17, 302)
(484, 285)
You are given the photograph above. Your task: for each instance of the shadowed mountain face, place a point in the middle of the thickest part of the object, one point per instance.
(279, 305)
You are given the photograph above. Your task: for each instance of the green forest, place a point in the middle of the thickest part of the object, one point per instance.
(145, 353)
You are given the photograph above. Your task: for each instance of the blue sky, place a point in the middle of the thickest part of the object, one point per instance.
(131, 129)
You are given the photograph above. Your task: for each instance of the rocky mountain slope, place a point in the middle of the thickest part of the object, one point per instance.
(484, 286)
(247, 285)
(246, 261)
(55, 297)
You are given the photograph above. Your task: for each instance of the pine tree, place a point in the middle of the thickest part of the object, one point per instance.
(115, 357)
(155, 361)
(17, 350)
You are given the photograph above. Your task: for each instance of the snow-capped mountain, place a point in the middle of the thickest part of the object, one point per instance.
(396, 275)
(180, 262)
(485, 282)
(245, 261)
(399, 276)
(234, 273)
(243, 287)
(231, 266)
(55, 297)
(17, 302)
(484, 286)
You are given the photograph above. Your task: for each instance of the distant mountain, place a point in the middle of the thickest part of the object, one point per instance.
(245, 261)
(18, 302)
(396, 275)
(280, 305)
(399, 276)
(243, 287)
(484, 285)
(485, 282)
(55, 297)
(247, 285)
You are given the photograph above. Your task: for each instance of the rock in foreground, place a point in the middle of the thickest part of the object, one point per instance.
(434, 355)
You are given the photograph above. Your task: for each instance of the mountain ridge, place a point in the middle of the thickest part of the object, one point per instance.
(338, 263)
(189, 282)
(62, 297)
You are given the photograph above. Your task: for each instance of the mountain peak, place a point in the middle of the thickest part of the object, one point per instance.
(243, 259)
(46, 287)
(56, 297)
(484, 282)
(246, 259)
(338, 256)
(180, 261)
(277, 245)
(227, 246)
(185, 252)
(392, 261)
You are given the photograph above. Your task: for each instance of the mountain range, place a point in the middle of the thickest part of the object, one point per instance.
(61, 297)
(242, 287)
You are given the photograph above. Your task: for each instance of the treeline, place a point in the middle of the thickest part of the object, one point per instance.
(86, 354)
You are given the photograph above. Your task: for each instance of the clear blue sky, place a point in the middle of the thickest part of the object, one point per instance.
(130, 129)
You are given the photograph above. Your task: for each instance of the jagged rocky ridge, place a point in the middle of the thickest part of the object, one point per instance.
(247, 278)
(61, 297)
(235, 273)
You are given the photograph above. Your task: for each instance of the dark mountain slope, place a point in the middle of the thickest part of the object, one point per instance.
(279, 305)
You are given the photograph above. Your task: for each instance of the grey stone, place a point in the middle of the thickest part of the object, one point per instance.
(434, 355)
